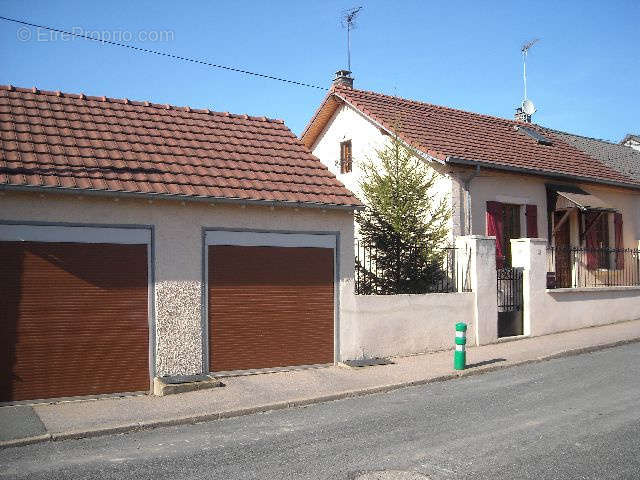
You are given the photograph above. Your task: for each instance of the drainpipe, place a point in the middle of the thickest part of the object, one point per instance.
(466, 185)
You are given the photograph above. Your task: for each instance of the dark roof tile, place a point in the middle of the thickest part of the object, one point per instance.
(619, 157)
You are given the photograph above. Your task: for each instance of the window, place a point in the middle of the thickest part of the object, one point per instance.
(503, 222)
(602, 231)
(596, 225)
(346, 158)
(541, 139)
(511, 228)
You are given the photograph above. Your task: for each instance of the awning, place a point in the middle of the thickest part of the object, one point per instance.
(570, 196)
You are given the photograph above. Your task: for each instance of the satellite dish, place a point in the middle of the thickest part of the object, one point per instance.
(528, 107)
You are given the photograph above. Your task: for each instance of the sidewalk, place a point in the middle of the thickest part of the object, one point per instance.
(259, 393)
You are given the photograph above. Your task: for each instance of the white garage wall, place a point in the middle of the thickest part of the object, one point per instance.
(178, 236)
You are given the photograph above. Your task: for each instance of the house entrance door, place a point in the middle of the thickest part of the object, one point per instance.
(509, 279)
(562, 252)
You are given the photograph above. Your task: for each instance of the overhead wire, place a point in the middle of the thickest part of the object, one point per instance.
(164, 54)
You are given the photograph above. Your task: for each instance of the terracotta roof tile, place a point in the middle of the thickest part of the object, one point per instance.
(99, 143)
(448, 134)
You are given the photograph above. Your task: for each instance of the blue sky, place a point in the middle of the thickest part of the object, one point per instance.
(584, 74)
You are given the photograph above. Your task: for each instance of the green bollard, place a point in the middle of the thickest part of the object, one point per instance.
(460, 356)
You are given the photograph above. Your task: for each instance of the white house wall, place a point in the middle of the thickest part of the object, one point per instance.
(633, 144)
(506, 188)
(366, 138)
(178, 244)
(524, 189)
(626, 202)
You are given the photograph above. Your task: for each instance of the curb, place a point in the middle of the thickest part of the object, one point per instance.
(19, 442)
(298, 403)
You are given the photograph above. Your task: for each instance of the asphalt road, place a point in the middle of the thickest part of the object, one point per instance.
(570, 418)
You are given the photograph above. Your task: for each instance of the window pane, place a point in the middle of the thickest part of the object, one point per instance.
(511, 229)
(345, 156)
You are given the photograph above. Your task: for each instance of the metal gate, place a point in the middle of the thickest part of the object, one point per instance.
(509, 283)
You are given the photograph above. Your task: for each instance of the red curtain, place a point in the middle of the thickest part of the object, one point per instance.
(617, 223)
(531, 212)
(495, 213)
(591, 241)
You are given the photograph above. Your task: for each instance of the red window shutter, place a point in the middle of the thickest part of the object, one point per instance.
(617, 223)
(531, 212)
(591, 241)
(495, 213)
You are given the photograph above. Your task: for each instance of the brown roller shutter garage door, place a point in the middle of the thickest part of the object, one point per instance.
(270, 307)
(73, 319)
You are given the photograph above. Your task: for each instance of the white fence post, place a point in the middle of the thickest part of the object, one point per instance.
(531, 255)
(481, 265)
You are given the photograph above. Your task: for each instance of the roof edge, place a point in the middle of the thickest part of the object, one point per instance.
(177, 197)
(426, 155)
(629, 136)
(539, 173)
(139, 103)
(314, 117)
(451, 109)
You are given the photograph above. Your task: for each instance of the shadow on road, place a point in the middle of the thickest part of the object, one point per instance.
(486, 362)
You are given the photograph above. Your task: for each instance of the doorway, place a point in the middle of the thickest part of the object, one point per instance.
(509, 279)
(562, 251)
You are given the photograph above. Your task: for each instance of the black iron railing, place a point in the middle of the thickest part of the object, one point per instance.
(573, 267)
(417, 270)
(510, 301)
(509, 283)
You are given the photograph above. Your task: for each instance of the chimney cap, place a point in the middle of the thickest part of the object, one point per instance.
(344, 78)
(522, 116)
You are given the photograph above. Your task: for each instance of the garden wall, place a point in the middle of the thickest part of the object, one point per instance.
(389, 325)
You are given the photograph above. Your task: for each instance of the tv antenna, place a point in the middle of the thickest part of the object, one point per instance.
(349, 22)
(525, 50)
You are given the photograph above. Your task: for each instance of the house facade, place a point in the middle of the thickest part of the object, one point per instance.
(141, 240)
(500, 177)
(632, 141)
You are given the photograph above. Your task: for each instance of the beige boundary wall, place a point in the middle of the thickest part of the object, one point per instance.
(551, 311)
(394, 325)
(390, 325)
(570, 309)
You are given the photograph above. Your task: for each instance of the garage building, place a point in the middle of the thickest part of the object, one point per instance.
(142, 240)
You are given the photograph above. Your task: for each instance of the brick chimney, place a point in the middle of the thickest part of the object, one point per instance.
(521, 116)
(343, 78)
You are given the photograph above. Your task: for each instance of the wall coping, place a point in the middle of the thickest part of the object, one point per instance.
(413, 295)
(529, 240)
(594, 289)
(477, 237)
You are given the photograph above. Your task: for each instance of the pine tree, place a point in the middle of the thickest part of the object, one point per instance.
(403, 228)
